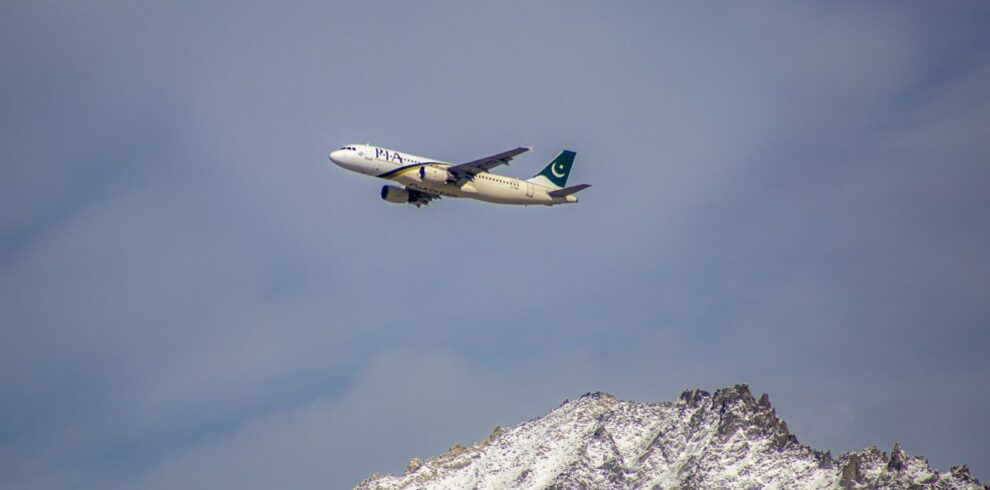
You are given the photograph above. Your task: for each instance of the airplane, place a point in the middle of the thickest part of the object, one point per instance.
(425, 179)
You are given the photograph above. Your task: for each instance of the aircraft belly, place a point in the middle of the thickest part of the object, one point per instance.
(499, 194)
(477, 189)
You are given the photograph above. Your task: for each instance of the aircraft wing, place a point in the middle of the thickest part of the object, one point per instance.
(467, 171)
(420, 198)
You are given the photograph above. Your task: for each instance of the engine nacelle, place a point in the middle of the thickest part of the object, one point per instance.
(433, 175)
(395, 194)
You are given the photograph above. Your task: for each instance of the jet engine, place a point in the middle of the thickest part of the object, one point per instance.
(395, 194)
(433, 175)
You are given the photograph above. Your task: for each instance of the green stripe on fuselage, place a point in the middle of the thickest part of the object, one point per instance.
(399, 171)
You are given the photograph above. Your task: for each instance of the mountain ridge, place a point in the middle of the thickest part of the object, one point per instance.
(728, 439)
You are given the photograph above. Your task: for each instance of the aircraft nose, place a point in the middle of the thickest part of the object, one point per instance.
(336, 155)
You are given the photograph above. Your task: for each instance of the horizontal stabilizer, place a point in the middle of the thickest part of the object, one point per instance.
(569, 190)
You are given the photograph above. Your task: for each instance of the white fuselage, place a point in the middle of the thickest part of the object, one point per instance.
(404, 168)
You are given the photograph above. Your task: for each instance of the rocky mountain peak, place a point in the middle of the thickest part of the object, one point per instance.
(728, 439)
(737, 409)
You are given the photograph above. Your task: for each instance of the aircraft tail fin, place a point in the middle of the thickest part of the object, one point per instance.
(555, 173)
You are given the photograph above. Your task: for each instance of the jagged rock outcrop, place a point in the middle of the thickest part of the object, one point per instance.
(701, 441)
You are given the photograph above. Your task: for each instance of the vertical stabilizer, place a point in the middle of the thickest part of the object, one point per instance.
(556, 172)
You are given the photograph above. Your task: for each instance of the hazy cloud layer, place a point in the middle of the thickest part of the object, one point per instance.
(791, 196)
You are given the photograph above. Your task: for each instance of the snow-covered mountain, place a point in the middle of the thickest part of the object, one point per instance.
(701, 441)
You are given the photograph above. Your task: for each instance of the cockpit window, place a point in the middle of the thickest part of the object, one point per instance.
(349, 148)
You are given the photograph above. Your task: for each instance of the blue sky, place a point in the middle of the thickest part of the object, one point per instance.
(786, 195)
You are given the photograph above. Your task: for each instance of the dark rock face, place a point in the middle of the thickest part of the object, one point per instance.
(728, 439)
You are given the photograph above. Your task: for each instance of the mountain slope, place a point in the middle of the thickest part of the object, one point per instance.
(701, 441)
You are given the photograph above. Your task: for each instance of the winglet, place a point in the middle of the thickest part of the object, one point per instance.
(569, 190)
